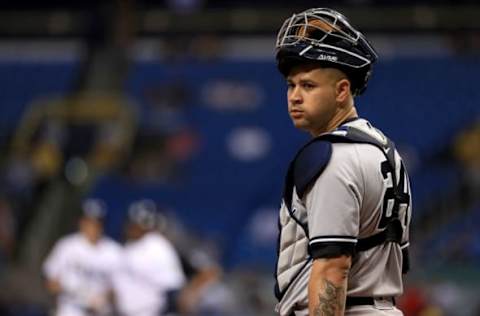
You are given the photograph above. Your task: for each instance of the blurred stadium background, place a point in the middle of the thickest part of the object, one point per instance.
(179, 101)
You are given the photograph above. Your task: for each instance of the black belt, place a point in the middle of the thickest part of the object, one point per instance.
(362, 300)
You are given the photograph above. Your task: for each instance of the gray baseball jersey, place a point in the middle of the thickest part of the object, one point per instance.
(352, 199)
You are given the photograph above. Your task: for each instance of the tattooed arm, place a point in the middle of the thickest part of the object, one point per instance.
(328, 286)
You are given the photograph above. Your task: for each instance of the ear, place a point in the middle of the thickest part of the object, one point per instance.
(342, 90)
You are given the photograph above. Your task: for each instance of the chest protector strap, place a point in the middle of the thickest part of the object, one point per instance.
(312, 159)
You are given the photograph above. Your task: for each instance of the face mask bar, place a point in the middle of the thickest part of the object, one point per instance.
(300, 26)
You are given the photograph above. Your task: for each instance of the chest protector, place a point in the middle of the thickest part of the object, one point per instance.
(307, 166)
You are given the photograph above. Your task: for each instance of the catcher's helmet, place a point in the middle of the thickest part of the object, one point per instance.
(325, 36)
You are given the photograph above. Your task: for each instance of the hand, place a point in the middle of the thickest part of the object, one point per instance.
(98, 304)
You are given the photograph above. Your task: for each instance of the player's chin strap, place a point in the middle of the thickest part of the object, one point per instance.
(393, 231)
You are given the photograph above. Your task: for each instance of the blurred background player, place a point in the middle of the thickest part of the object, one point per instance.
(151, 274)
(205, 293)
(79, 269)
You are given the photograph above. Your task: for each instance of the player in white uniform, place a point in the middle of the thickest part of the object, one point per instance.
(346, 207)
(151, 272)
(79, 268)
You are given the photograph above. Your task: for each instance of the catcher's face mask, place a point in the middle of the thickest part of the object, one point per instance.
(324, 35)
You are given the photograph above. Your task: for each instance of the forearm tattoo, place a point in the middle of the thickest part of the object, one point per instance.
(330, 301)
